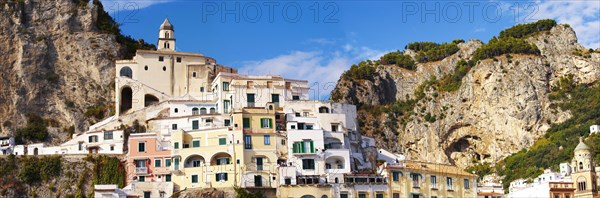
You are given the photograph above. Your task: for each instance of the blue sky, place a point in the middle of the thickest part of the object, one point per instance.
(318, 40)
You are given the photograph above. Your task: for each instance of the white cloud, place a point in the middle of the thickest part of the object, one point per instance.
(480, 30)
(130, 4)
(582, 16)
(321, 69)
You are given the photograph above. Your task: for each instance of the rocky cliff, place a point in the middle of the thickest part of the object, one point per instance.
(501, 107)
(56, 64)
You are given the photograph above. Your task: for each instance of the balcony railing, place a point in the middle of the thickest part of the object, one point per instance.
(141, 170)
(365, 179)
(251, 104)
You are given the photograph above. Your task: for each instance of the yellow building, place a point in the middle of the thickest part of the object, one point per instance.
(264, 147)
(304, 191)
(207, 158)
(420, 179)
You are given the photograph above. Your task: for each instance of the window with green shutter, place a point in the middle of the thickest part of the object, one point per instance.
(195, 143)
(246, 123)
(222, 141)
(168, 178)
(157, 162)
(195, 124)
(167, 162)
(176, 145)
(295, 147)
(266, 123)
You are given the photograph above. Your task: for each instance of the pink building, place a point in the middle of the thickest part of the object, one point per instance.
(149, 158)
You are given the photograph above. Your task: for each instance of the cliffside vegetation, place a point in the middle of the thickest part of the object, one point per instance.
(107, 24)
(35, 130)
(53, 176)
(399, 59)
(557, 145)
(511, 40)
(430, 51)
(365, 70)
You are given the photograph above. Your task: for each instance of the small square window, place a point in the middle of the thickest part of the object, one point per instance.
(174, 126)
(142, 178)
(176, 146)
(194, 179)
(196, 143)
(222, 141)
(161, 58)
(167, 178)
(157, 162)
(141, 147)
(179, 59)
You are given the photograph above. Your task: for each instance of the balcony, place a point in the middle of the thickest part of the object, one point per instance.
(365, 179)
(251, 104)
(141, 170)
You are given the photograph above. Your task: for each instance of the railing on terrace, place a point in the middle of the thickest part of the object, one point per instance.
(141, 170)
(360, 179)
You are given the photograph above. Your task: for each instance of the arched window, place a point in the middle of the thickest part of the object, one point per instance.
(212, 110)
(195, 111)
(202, 110)
(126, 72)
(580, 166)
(166, 34)
(323, 110)
(126, 99)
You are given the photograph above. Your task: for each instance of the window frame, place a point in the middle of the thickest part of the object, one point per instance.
(108, 135)
(141, 147)
(194, 142)
(267, 139)
(158, 163)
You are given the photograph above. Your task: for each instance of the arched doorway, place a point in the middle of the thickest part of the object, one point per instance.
(35, 151)
(126, 99)
(126, 72)
(150, 99)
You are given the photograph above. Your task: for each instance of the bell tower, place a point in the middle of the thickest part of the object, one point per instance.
(166, 36)
(584, 176)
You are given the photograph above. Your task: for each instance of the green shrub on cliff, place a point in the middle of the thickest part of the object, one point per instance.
(429, 51)
(398, 59)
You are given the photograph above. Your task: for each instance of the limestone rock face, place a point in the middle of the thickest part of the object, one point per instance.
(501, 107)
(55, 63)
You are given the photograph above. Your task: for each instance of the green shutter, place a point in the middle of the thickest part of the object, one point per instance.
(225, 176)
(227, 161)
(302, 147)
(270, 123)
(262, 123)
(246, 123)
(312, 147)
(217, 177)
(294, 148)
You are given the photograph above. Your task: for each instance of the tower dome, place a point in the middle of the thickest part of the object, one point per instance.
(582, 146)
(166, 25)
